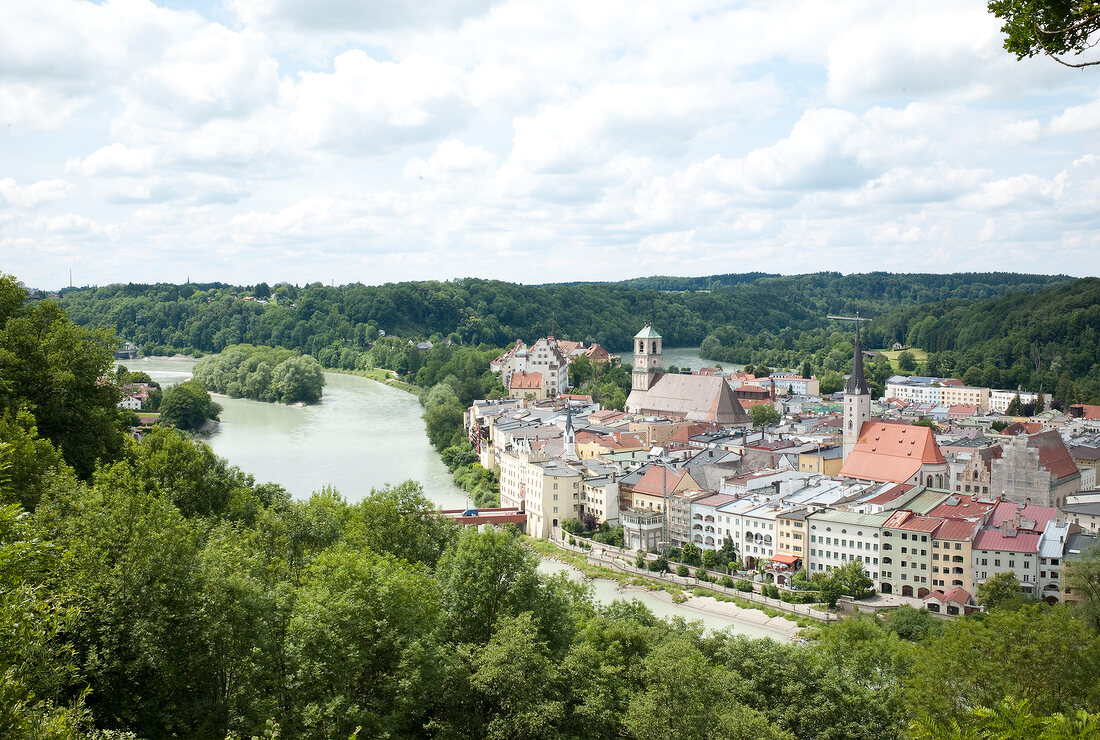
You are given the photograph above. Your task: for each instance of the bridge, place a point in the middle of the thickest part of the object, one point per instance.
(498, 516)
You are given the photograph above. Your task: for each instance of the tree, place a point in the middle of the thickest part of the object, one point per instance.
(188, 406)
(907, 362)
(1083, 577)
(357, 649)
(483, 577)
(831, 382)
(807, 370)
(580, 371)
(1000, 591)
(926, 422)
(852, 578)
(912, 624)
(400, 520)
(298, 379)
(55, 370)
(1056, 28)
(764, 415)
(1014, 406)
(709, 558)
(690, 554)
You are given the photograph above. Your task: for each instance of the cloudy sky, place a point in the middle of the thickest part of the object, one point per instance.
(370, 140)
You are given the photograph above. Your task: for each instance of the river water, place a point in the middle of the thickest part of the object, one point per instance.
(690, 358)
(361, 435)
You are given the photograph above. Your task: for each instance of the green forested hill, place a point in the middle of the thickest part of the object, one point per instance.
(1050, 339)
(319, 319)
(1004, 329)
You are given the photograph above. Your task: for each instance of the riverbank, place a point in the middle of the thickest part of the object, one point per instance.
(380, 375)
(703, 605)
(698, 599)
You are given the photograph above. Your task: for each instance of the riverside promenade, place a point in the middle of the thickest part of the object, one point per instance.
(621, 560)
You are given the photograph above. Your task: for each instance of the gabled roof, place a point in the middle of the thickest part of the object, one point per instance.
(957, 595)
(960, 530)
(1053, 454)
(596, 352)
(691, 397)
(992, 539)
(524, 381)
(654, 481)
(891, 452)
(1007, 511)
(963, 507)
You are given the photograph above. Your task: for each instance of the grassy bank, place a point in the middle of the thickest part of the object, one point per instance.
(380, 375)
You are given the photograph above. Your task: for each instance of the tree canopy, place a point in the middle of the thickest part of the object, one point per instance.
(1056, 28)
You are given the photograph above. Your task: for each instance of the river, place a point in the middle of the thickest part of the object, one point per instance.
(361, 435)
(690, 358)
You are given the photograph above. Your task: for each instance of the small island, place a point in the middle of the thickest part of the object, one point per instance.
(262, 374)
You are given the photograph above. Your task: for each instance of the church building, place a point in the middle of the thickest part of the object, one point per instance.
(677, 396)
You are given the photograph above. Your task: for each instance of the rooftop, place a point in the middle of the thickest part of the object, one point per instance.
(891, 452)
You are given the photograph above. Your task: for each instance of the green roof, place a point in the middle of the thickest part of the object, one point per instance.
(647, 332)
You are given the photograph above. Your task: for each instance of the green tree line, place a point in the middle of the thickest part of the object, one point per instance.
(336, 324)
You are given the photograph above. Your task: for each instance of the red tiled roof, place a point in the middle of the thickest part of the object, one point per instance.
(1053, 454)
(1084, 411)
(992, 539)
(1006, 510)
(891, 452)
(958, 595)
(566, 346)
(1022, 427)
(597, 352)
(968, 507)
(890, 494)
(654, 481)
(961, 530)
(918, 523)
(524, 381)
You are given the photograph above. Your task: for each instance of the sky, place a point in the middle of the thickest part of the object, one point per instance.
(374, 141)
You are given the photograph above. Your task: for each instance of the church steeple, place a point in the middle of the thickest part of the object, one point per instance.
(856, 382)
(857, 399)
(570, 437)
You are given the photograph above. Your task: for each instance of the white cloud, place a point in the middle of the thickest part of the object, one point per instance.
(459, 137)
(1077, 118)
(14, 195)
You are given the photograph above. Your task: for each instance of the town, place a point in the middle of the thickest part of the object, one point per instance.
(935, 489)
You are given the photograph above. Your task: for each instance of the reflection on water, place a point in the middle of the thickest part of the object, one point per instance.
(360, 436)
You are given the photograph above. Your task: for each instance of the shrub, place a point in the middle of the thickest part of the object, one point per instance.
(743, 584)
(725, 581)
(681, 570)
(701, 574)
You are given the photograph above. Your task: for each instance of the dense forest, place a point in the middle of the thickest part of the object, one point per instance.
(151, 590)
(998, 329)
(334, 324)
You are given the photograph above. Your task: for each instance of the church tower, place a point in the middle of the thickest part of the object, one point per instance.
(857, 400)
(570, 436)
(648, 360)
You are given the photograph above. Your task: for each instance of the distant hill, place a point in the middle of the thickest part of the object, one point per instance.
(209, 317)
